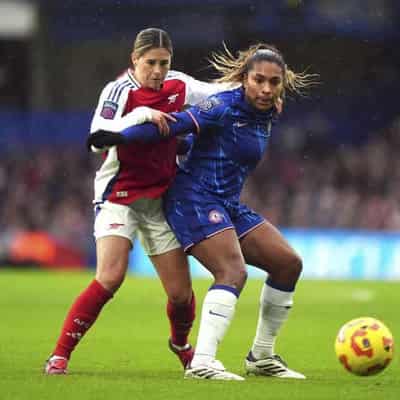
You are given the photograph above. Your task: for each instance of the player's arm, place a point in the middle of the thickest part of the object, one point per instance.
(109, 111)
(196, 119)
(138, 116)
(109, 116)
(185, 143)
(147, 132)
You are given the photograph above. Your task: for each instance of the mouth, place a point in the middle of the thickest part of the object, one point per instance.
(264, 103)
(156, 83)
(264, 100)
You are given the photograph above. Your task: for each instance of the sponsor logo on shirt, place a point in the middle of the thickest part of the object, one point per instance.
(109, 109)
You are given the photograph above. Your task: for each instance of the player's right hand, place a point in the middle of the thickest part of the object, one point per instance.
(161, 119)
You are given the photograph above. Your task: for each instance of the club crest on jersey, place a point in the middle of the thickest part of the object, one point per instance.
(215, 217)
(172, 98)
(109, 109)
(208, 104)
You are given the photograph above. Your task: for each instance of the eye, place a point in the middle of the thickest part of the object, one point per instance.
(151, 62)
(275, 81)
(164, 63)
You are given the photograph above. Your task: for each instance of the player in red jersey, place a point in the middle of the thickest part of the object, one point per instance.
(128, 191)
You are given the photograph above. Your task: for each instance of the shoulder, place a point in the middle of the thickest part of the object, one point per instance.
(227, 97)
(220, 102)
(177, 75)
(177, 79)
(113, 90)
(213, 108)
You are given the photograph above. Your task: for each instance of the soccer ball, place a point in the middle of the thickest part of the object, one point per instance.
(364, 346)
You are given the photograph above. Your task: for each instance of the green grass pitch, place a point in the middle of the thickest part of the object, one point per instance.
(125, 355)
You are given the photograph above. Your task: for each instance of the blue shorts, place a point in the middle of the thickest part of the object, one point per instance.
(195, 218)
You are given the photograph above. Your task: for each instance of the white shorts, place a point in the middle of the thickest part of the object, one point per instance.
(144, 218)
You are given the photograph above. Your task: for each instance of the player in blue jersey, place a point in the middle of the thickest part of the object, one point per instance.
(204, 210)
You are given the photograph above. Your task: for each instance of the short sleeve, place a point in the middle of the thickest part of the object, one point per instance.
(111, 106)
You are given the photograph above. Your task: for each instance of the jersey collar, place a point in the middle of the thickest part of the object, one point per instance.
(133, 79)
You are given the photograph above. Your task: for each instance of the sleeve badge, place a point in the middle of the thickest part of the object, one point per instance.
(208, 104)
(109, 110)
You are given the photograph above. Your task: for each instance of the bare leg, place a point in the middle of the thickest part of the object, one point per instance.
(266, 248)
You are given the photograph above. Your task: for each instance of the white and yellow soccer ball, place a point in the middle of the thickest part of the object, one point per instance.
(364, 346)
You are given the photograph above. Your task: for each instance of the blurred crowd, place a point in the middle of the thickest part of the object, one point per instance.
(303, 185)
(314, 185)
(48, 191)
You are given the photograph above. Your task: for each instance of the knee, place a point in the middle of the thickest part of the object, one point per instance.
(295, 266)
(242, 277)
(178, 296)
(233, 275)
(110, 279)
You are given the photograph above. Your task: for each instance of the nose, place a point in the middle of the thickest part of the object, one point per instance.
(157, 69)
(266, 89)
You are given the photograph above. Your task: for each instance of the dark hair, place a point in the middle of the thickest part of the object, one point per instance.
(234, 69)
(266, 54)
(152, 38)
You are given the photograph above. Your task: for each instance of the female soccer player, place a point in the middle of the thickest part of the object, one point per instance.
(204, 210)
(128, 190)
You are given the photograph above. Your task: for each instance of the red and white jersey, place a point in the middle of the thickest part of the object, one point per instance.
(141, 170)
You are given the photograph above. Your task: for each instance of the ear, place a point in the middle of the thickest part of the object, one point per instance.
(133, 59)
(245, 79)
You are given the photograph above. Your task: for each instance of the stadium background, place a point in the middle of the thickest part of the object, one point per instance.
(331, 177)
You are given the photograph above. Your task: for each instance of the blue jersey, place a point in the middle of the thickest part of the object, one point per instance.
(204, 198)
(232, 139)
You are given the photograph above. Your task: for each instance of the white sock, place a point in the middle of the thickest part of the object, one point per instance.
(274, 309)
(216, 316)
